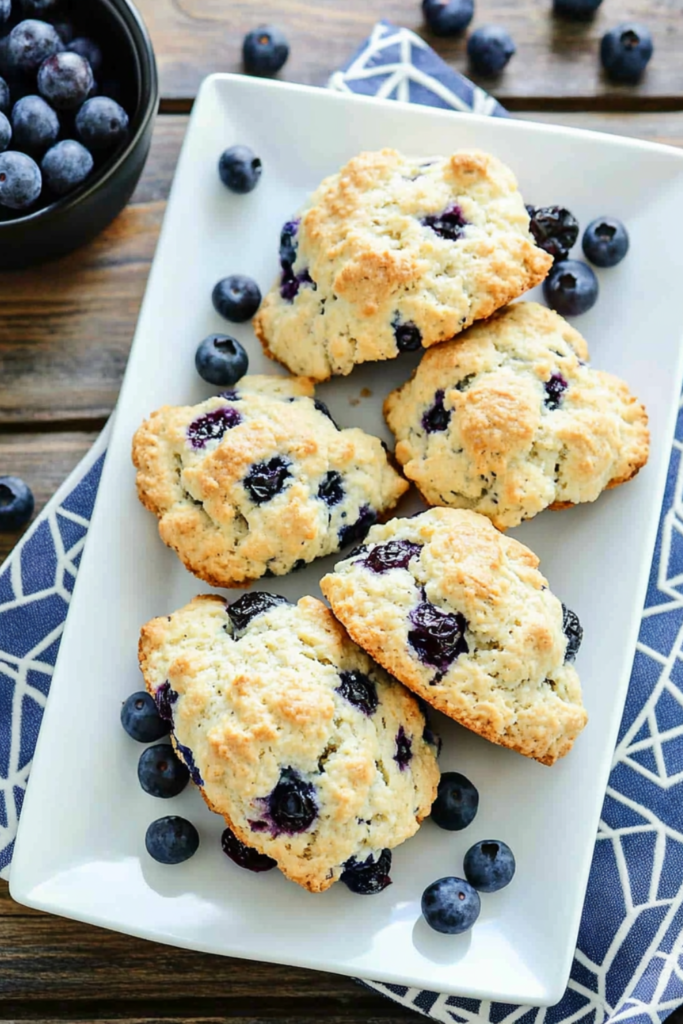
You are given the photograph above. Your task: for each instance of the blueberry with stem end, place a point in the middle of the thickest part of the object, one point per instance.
(102, 124)
(171, 840)
(65, 80)
(265, 50)
(236, 298)
(626, 51)
(605, 242)
(240, 169)
(161, 773)
(16, 499)
(221, 360)
(489, 49)
(141, 719)
(571, 288)
(489, 865)
(450, 905)
(29, 44)
(456, 804)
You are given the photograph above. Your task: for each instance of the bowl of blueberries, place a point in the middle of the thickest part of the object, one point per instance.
(78, 97)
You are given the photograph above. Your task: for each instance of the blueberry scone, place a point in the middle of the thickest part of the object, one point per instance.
(509, 419)
(260, 480)
(314, 756)
(393, 253)
(460, 613)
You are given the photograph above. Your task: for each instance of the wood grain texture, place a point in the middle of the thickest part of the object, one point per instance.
(556, 63)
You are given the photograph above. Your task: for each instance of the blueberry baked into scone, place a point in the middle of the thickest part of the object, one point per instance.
(509, 419)
(260, 480)
(314, 756)
(393, 253)
(461, 614)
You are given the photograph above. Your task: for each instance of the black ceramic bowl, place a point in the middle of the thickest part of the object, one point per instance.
(69, 222)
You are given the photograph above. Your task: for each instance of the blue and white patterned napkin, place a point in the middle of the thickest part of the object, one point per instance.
(629, 960)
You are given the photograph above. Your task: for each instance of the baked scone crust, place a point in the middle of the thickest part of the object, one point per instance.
(201, 495)
(521, 422)
(509, 680)
(249, 704)
(367, 260)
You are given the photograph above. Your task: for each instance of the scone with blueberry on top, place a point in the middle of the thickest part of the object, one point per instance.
(393, 253)
(461, 614)
(314, 756)
(508, 419)
(260, 481)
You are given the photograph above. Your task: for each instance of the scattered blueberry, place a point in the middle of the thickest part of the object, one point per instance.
(5, 101)
(66, 166)
(236, 298)
(571, 288)
(404, 749)
(244, 855)
(240, 169)
(29, 44)
(573, 630)
(450, 905)
(266, 479)
(554, 390)
(246, 608)
(605, 242)
(102, 123)
(65, 80)
(489, 865)
(141, 720)
(438, 637)
(16, 499)
(489, 49)
(5, 133)
(450, 224)
(221, 360)
(408, 336)
(164, 698)
(212, 425)
(161, 773)
(554, 229)
(394, 555)
(35, 125)
(20, 181)
(437, 417)
(331, 490)
(368, 877)
(292, 804)
(577, 9)
(625, 51)
(359, 690)
(188, 759)
(5, 11)
(172, 840)
(354, 533)
(456, 804)
(448, 17)
(88, 49)
(265, 50)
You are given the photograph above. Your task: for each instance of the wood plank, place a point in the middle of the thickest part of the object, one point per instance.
(556, 60)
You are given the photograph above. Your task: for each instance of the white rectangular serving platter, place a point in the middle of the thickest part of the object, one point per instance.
(80, 850)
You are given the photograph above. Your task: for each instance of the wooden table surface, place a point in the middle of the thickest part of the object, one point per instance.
(65, 330)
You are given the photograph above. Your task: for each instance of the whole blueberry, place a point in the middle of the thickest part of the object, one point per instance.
(102, 123)
(579, 10)
(88, 49)
(221, 360)
(605, 242)
(16, 502)
(571, 288)
(20, 181)
(29, 44)
(554, 228)
(141, 720)
(240, 169)
(369, 876)
(489, 49)
(161, 772)
(265, 50)
(292, 804)
(66, 166)
(5, 11)
(236, 298)
(450, 905)
(5, 133)
(359, 690)
(244, 855)
(246, 608)
(171, 840)
(65, 80)
(456, 804)
(489, 865)
(625, 51)
(65, 30)
(573, 630)
(34, 124)
(265, 480)
(5, 100)
(448, 17)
